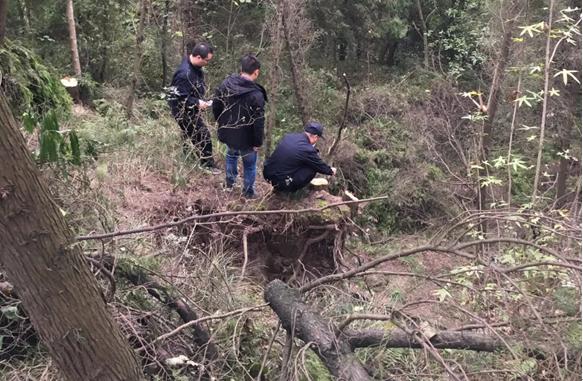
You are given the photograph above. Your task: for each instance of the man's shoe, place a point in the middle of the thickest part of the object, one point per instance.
(250, 196)
(211, 170)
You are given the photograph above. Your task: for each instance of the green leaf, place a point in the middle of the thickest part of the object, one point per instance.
(566, 74)
(29, 122)
(75, 150)
(442, 294)
(48, 147)
(523, 99)
(531, 30)
(10, 312)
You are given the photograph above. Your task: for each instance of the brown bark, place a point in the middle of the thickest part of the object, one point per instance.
(73, 39)
(3, 13)
(138, 59)
(295, 62)
(304, 323)
(53, 280)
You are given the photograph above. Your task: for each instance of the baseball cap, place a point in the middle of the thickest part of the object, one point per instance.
(314, 128)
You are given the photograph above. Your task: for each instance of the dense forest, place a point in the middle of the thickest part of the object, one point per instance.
(446, 246)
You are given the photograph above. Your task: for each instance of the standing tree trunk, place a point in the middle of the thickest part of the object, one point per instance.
(541, 140)
(295, 57)
(3, 12)
(101, 76)
(59, 293)
(138, 59)
(73, 39)
(423, 35)
(275, 31)
(74, 88)
(164, 42)
(492, 107)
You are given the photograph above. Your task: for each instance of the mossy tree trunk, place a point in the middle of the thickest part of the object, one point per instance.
(59, 293)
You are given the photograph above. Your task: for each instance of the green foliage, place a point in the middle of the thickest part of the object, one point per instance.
(31, 87)
(459, 35)
(313, 368)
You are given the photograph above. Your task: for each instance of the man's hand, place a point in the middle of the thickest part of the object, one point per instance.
(202, 105)
(333, 171)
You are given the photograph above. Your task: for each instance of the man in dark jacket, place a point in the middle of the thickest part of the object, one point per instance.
(186, 101)
(295, 161)
(238, 108)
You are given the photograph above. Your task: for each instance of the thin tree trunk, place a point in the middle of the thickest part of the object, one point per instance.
(164, 43)
(423, 35)
(102, 75)
(59, 293)
(73, 39)
(297, 78)
(492, 107)
(25, 8)
(541, 140)
(137, 60)
(562, 175)
(3, 13)
(510, 141)
(274, 77)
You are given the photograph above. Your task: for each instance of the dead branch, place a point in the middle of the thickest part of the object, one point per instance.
(108, 275)
(355, 317)
(206, 318)
(547, 250)
(343, 124)
(200, 334)
(246, 234)
(376, 262)
(223, 214)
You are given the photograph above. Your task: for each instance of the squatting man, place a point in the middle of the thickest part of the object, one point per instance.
(295, 161)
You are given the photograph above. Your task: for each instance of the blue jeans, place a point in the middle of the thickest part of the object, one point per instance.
(249, 157)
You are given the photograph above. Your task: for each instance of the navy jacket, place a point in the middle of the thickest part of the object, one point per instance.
(238, 108)
(186, 89)
(294, 151)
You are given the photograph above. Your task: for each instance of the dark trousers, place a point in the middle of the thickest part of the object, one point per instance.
(297, 181)
(197, 136)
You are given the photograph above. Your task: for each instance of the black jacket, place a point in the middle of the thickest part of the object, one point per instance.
(186, 89)
(238, 108)
(293, 152)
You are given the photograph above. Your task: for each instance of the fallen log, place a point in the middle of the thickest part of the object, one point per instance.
(397, 338)
(299, 319)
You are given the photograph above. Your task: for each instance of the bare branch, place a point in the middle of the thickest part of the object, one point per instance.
(223, 214)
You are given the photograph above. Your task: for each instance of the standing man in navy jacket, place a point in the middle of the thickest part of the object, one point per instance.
(187, 101)
(295, 161)
(238, 108)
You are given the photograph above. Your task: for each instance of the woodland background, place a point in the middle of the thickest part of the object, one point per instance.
(464, 115)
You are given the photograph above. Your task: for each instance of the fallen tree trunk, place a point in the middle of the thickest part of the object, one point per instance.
(398, 338)
(309, 326)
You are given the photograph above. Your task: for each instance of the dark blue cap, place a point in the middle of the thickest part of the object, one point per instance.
(314, 128)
